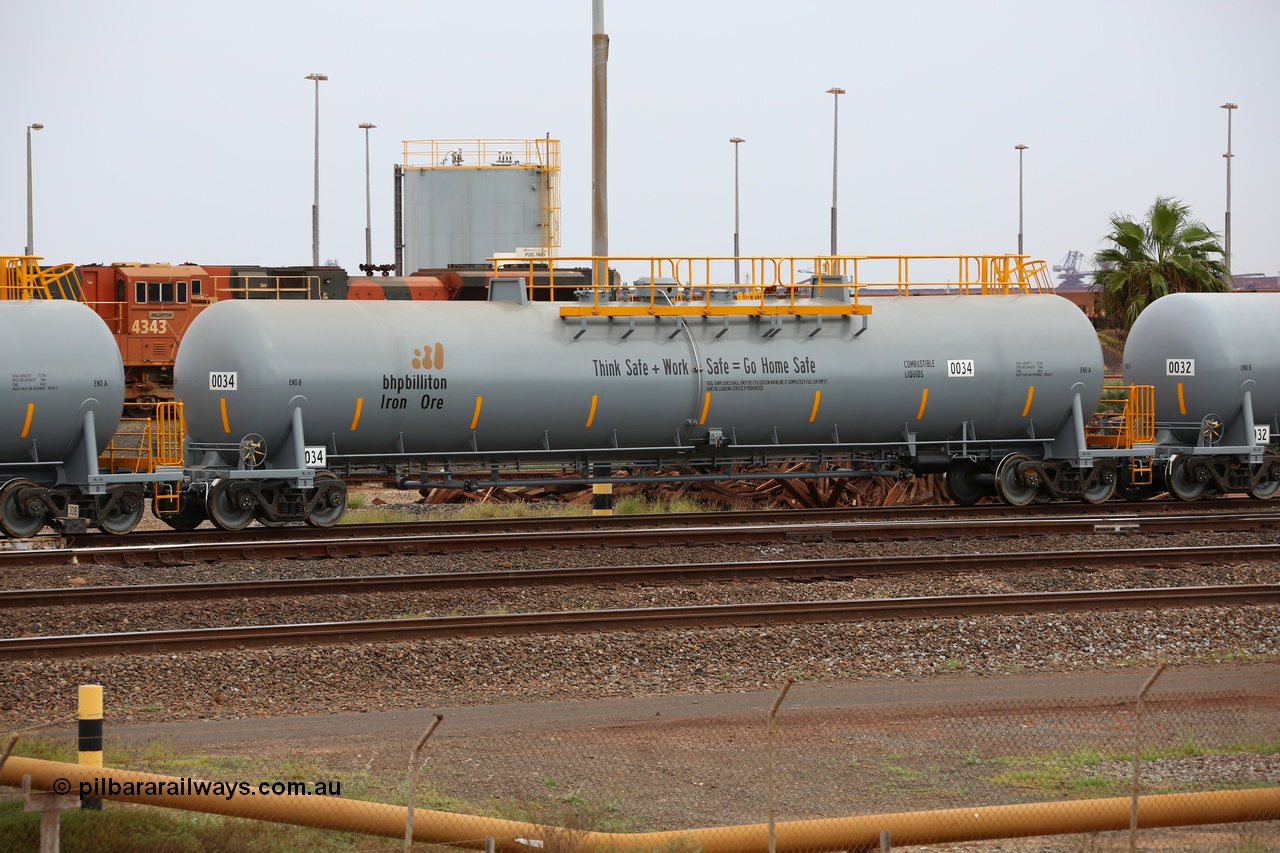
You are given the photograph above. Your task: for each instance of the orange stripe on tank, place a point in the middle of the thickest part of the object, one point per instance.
(706, 406)
(1031, 392)
(355, 420)
(226, 425)
(26, 425)
(591, 415)
(817, 398)
(1182, 404)
(924, 400)
(475, 417)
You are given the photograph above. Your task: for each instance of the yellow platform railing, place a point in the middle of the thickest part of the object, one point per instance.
(145, 441)
(711, 285)
(1126, 417)
(24, 278)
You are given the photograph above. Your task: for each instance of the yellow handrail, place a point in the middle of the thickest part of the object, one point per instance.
(705, 284)
(1125, 420)
(24, 278)
(146, 442)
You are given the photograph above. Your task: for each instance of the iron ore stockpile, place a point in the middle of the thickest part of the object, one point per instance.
(369, 677)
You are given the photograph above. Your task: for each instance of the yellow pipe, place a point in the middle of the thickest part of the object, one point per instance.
(1065, 817)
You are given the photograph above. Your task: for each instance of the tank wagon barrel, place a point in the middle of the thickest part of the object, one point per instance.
(59, 410)
(962, 384)
(1214, 361)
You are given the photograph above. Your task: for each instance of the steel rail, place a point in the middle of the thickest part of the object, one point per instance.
(642, 619)
(837, 568)
(424, 539)
(1145, 510)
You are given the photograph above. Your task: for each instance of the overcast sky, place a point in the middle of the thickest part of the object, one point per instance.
(184, 131)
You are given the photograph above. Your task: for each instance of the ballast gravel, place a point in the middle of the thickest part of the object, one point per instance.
(366, 677)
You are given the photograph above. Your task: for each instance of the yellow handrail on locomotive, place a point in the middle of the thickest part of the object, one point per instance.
(24, 278)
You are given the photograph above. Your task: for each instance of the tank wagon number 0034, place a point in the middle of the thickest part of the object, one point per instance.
(841, 390)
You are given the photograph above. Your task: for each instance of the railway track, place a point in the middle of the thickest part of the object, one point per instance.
(843, 568)
(436, 537)
(639, 619)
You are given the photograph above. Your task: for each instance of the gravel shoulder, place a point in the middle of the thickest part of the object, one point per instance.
(668, 725)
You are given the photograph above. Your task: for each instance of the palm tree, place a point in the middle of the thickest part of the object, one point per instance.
(1168, 253)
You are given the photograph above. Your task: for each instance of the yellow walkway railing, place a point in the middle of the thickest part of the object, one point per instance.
(1126, 418)
(682, 286)
(146, 442)
(24, 278)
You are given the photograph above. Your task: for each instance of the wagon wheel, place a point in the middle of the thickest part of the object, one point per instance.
(20, 515)
(125, 511)
(334, 501)
(227, 511)
(1265, 479)
(961, 482)
(1103, 486)
(1181, 482)
(1211, 430)
(1010, 490)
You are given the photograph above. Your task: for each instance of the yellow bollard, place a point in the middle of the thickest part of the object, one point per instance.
(90, 725)
(602, 493)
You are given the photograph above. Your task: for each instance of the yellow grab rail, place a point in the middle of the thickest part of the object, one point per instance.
(24, 278)
(709, 285)
(146, 442)
(1126, 419)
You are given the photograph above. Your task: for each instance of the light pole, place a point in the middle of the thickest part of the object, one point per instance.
(368, 218)
(835, 156)
(1227, 245)
(315, 205)
(736, 251)
(1020, 149)
(30, 242)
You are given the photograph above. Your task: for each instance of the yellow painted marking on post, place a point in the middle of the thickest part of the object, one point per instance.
(89, 708)
(706, 405)
(591, 416)
(1031, 392)
(924, 399)
(226, 425)
(475, 417)
(359, 406)
(26, 425)
(1182, 404)
(817, 398)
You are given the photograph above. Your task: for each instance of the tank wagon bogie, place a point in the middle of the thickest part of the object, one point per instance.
(992, 390)
(1214, 361)
(59, 410)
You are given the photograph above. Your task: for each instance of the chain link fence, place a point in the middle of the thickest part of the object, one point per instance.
(1058, 771)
